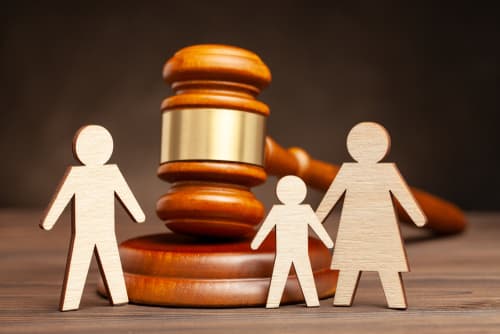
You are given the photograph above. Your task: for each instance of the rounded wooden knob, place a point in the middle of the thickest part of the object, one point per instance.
(217, 76)
(214, 62)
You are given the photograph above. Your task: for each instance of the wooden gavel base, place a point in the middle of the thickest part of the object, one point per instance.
(174, 270)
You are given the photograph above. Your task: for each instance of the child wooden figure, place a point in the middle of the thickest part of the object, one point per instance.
(92, 187)
(291, 220)
(368, 238)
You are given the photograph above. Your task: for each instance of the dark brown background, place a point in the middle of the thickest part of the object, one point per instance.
(428, 72)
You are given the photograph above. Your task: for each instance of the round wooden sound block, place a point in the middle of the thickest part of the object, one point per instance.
(174, 270)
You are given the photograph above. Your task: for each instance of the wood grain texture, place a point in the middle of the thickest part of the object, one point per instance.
(454, 288)
(292, 221)
(92, 188)
(369, 238)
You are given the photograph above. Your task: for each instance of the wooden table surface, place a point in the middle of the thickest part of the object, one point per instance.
(454, 287)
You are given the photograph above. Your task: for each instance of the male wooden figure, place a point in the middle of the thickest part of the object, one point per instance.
(368, 238)
(291, 220)
(92, 188)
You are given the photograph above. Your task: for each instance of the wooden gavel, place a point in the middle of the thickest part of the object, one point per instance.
(214, 148)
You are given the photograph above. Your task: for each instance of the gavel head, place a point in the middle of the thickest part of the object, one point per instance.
(213, 135)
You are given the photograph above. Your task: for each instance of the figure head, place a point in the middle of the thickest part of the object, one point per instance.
(291, 190)
(93, 145)
(368, 142)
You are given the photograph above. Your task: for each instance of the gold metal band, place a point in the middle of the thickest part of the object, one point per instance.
(213, 134)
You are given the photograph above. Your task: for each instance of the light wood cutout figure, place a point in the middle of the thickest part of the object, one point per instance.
(368, 237)
(292, 220)
(92, 188)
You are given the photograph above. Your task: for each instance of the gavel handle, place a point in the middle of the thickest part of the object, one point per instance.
(443, 217)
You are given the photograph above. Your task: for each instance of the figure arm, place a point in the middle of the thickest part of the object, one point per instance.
(64, 194)
(402, 193)
(332, 196)
(264, 230)
(319, 229)
(127, 198)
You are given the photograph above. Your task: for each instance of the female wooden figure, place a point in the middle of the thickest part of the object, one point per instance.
(368, 238)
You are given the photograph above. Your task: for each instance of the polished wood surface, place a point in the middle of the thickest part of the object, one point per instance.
(454, 287)
(176, 270)
(211, 198)
(219, 76)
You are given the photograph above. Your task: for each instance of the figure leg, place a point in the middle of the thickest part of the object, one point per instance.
(77, 268)
(306, 281)
(392, 283)
(278, 281)
(108, 258)
(346, 287)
